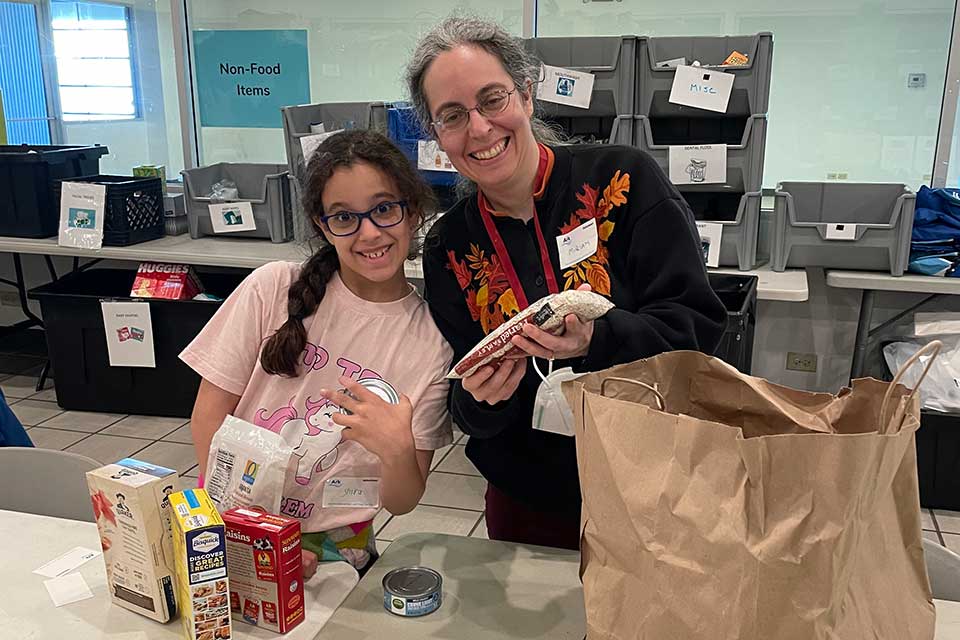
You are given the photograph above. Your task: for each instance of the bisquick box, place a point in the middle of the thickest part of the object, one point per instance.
(131, 505)
(200, 558)
(266, 570)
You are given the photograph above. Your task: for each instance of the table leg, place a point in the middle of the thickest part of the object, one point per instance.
(867, 301)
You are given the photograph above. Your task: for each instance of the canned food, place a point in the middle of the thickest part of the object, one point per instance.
(381, 388)
(412, 591)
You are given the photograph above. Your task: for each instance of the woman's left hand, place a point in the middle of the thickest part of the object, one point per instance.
(572, 342)
(381, 428)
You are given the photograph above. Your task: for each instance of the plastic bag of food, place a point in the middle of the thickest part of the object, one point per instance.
(547, 313)
(226, 189)
(247, 466)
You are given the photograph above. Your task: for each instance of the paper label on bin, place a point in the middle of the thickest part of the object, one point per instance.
(432, 158)
(671, 64)
(129, 330)
(82, 209)
(842, 231)
(309, 144)
(711, 235)
(698, 164)
(228, 217)
(351, 492)
(566, 86)
(702, 88)
(579, 244)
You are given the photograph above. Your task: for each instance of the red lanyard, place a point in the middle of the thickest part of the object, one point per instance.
(504, 255)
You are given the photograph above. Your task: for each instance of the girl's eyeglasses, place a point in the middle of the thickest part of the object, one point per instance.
(347, 223)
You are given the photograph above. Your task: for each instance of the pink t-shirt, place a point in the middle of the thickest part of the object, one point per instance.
(396, 341)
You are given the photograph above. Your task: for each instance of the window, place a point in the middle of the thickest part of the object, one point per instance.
(94, 63)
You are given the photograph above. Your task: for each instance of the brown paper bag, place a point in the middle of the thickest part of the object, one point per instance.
(746, 510)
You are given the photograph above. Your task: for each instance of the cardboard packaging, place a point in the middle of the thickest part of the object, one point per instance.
(152, 171)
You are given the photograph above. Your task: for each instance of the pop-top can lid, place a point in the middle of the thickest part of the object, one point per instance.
(381, 388)
(412, 582)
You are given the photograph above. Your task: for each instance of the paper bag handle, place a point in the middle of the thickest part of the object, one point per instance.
(659, 396)
(933, 348)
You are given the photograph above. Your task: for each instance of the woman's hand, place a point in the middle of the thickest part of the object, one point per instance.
(310, 562)
(572, 342)
(381, 428)
(496, 383)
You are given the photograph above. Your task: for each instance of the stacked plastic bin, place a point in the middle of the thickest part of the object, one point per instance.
(660, 124)
(839, 225)
(612, 61)
(301, 122)
(405, 130)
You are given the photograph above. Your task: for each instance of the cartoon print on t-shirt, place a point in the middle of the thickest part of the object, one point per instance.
(314, 438)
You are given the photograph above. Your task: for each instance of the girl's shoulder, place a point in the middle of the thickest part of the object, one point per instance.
(274, 278)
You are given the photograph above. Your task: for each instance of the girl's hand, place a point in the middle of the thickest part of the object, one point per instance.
(310, 562)
(572, 342)
(383, 429)
(496, 383)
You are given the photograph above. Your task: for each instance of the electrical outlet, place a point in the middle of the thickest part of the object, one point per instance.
(916, 80)
(806, 362)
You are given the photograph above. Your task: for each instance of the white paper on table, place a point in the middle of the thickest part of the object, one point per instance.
(82, 208)
(702, 88)
(711, 234)
(566, 86)
(322, 596)
(698, 164)
(67, 562)
(309, 144)
(230, 217)
(66, 589)
(129, 332)
(432, 158)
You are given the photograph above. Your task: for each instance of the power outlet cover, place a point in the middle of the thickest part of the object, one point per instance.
(805, 362)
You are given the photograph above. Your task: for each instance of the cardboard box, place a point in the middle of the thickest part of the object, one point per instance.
(200, 558)
(152, 171)
(266, 570)
(173, 205)
(131, 505)
(167, 281)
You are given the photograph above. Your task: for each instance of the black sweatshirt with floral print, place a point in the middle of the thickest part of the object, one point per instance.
(649, 263)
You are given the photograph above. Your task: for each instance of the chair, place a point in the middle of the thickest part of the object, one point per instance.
(46, 482)
(943, 568)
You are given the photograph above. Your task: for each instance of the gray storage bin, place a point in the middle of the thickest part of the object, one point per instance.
(333, 115)
(744, 160)
(612, 61)
(265, 186)
(751, 88)
(843, 226)
(741, 227)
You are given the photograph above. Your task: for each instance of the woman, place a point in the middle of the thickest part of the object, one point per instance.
(624, 230)
(292, 334)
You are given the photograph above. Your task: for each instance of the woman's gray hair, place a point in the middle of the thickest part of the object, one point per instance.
(523, 66)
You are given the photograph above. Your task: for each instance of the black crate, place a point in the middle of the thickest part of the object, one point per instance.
(28, 208)
(134, 208)
(77, 344)
(739, 296)
(938, 460)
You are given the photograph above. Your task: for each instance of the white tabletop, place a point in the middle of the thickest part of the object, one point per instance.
(27, 613)
(879, 281)
(491, 590)
(790, 286)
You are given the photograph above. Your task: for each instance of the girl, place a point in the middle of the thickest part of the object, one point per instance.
(625, 231)
(293, 333)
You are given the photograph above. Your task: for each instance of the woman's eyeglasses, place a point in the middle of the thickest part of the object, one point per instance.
(347, 223)
(456, 118)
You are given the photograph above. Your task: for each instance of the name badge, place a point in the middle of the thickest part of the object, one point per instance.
(579, 244)
(351, 492)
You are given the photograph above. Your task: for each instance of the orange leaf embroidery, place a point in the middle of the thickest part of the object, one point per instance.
(508, 303)
(616, 192)
(588, 198)
(605, 230)
(599, 279)
(459, 269)
(472, 305)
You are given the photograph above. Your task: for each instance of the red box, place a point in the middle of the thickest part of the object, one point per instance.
(169, 281)
(266, 571)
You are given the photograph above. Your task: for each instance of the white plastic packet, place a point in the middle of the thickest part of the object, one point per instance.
(247, 466)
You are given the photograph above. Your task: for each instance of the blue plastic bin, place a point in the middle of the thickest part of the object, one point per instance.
(405, 131)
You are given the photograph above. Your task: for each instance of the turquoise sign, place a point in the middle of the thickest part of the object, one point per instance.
(245, 76)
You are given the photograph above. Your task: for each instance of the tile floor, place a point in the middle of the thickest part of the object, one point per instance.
(452, 503)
